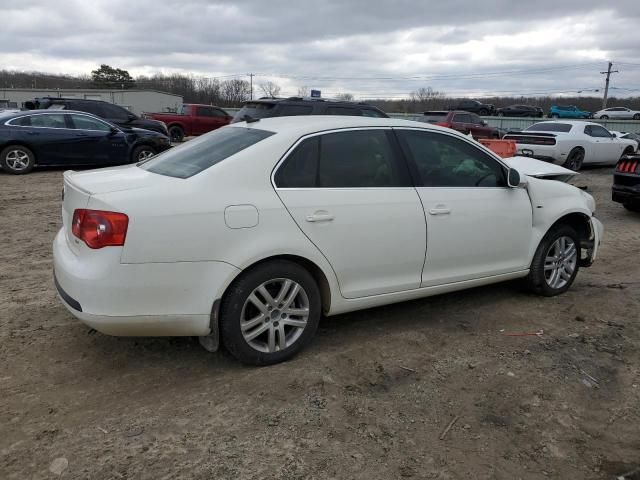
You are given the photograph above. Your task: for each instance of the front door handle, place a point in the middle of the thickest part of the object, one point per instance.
(440, 211)
(319, 217)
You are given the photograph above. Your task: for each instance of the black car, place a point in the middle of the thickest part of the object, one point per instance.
(474, 106)
(626, 182)
(520, 111)
(68, 138)
(108, 111)
(285, 107)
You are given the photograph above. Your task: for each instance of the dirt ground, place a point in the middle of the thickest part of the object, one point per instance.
(370, 399)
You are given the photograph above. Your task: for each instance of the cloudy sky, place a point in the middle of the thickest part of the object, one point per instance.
(371, 48)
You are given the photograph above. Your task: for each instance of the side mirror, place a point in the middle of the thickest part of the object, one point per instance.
(114, 131)
(613, 135)
(513, 178)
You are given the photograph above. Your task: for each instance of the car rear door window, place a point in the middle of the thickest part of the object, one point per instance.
(115, 112)
(351, 159)
(446, 161)
(90, 107)
(358, 158)
(197, 155)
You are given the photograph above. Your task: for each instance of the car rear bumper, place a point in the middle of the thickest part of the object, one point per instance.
(150, 299)
(547, 153)
(626, 194)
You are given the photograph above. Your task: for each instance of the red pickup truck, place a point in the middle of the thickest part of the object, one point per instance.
(194, 119)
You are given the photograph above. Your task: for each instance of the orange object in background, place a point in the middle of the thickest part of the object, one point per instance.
(504, 148)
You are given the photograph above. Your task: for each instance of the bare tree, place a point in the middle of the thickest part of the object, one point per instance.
(270, 89)
(304, 91)
(345, 97)
(235, 91)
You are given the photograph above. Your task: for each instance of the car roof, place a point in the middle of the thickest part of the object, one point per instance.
(307, 99)
(23, 113)
(305, 124)
(570, 122)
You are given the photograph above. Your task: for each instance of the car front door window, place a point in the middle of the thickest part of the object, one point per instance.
(447, 161)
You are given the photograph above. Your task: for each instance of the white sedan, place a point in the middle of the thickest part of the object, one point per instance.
(572, 143)
(246, 235)
(617, 113)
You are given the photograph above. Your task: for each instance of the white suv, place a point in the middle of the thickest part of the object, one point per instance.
(251, 232)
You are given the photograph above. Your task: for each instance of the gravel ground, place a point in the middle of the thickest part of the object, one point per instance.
(371, 399)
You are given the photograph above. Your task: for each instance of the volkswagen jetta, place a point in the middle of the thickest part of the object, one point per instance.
(246, 235)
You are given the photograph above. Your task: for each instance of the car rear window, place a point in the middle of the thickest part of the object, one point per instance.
(197, 155)
(549, 127)
(254, 110)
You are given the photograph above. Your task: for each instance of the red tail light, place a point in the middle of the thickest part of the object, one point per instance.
(627, 166)
(444, 124)
(99, 229)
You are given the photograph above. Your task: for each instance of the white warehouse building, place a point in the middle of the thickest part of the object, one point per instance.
(137, 101)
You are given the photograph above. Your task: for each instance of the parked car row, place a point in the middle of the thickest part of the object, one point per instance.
(556, 111)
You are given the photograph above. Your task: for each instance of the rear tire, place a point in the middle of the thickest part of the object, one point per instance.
(176, 134)
(555, 263)
(555, 115)
(483, 113)
(17, 160)
(636, 116)
(270, 313)
(604, 117)
(575, 159)
(627, 151)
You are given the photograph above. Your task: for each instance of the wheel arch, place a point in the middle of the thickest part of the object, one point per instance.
(212, 341)
(313, 268)
(579, 221)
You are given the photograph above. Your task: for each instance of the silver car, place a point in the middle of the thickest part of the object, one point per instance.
(618, 113)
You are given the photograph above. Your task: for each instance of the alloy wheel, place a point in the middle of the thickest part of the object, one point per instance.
(145, 154)
(560, 262)
(17, 160)
(274, 315)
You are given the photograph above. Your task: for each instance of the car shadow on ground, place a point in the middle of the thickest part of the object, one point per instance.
(452, 313)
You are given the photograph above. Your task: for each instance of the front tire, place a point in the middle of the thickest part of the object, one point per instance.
(555, 115)
(636, 116)
(270, 313)
(604, 117)
(555, 263)
(575, 159)
(17, 159)
(142, 153)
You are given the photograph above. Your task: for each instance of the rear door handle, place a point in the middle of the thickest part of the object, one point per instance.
(319, 217)
(440, 211)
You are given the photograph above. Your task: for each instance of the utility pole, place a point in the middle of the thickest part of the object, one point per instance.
(606, 84)
(250, 85)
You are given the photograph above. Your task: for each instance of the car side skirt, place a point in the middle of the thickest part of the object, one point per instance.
(343, 305)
